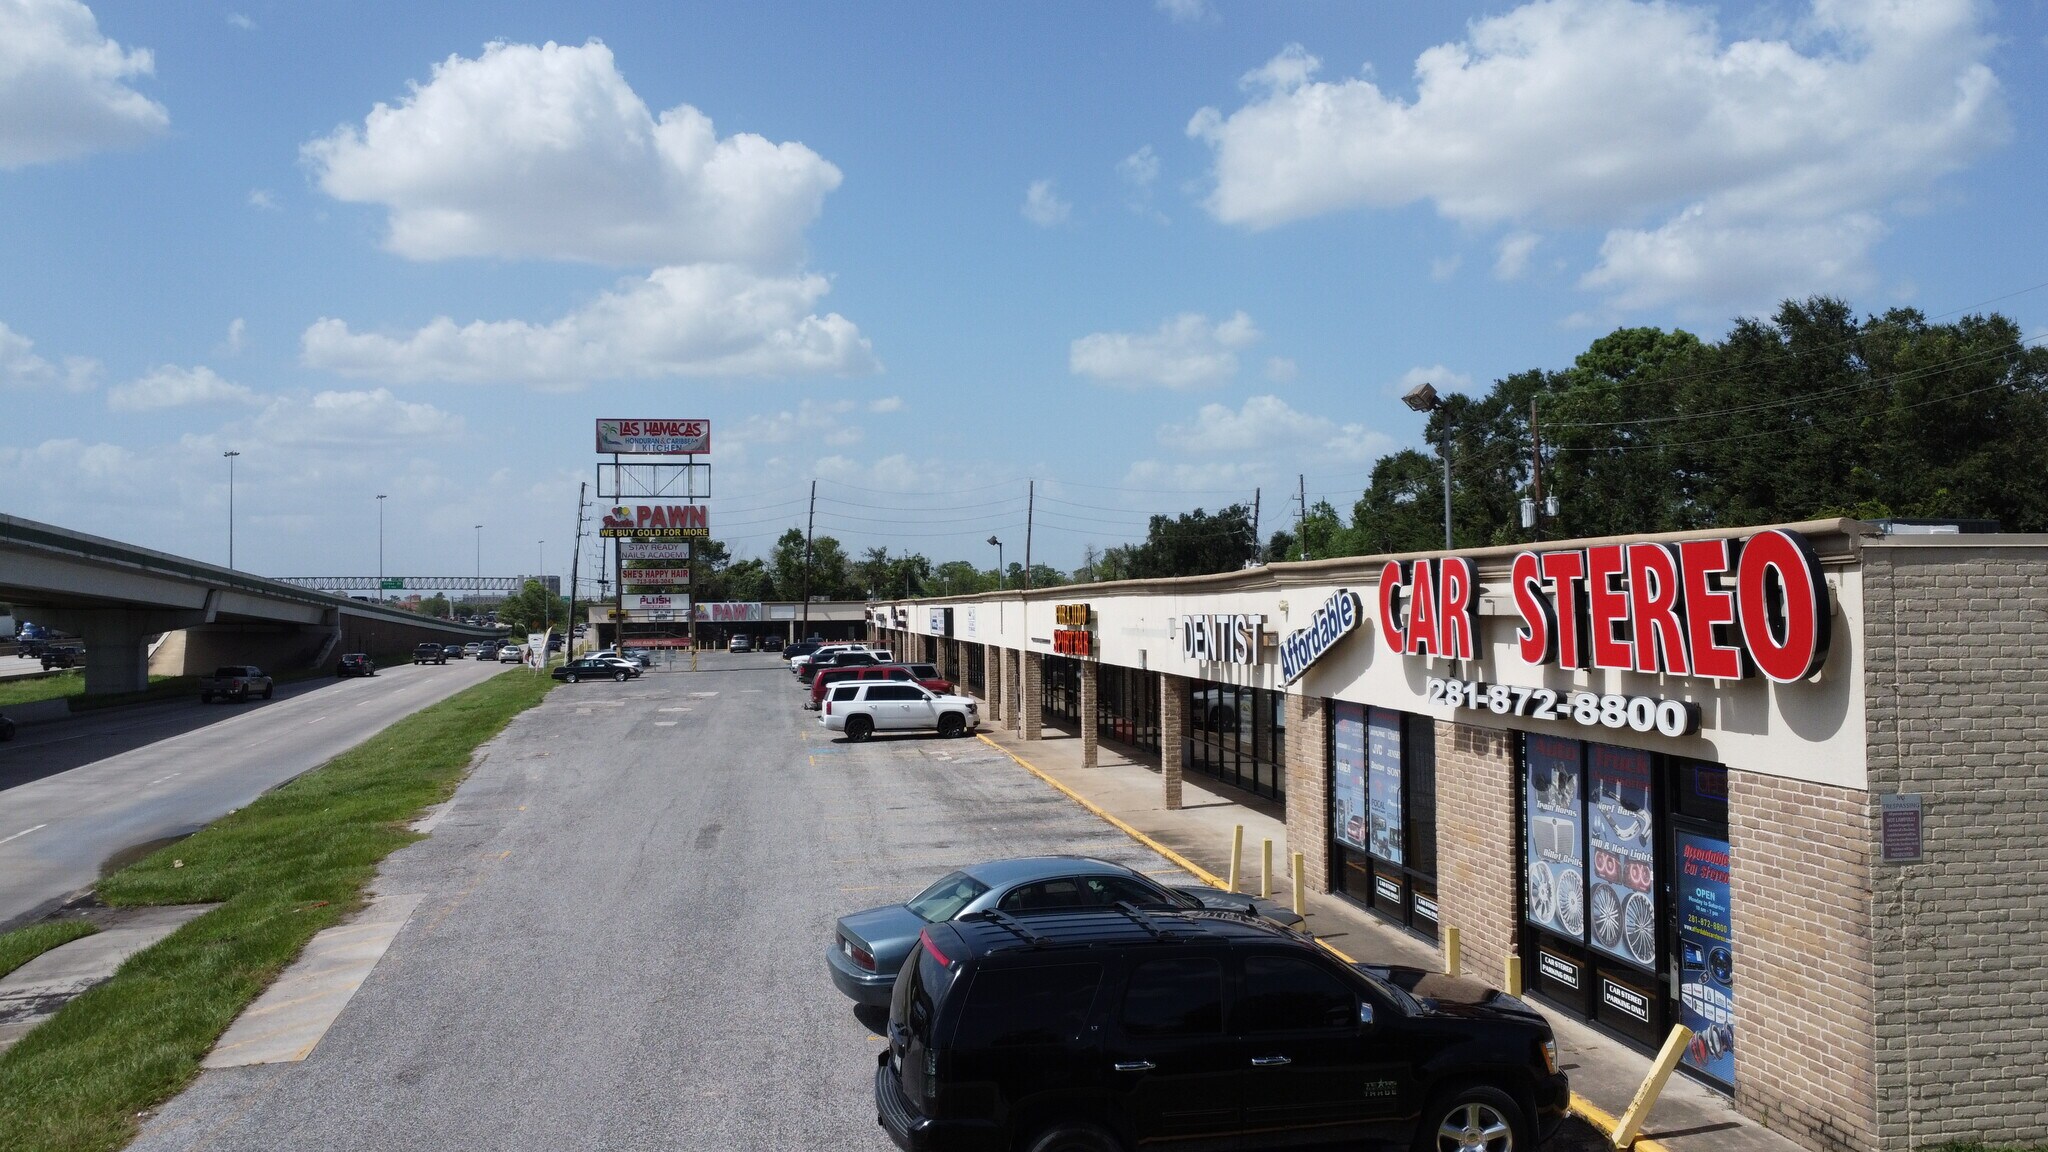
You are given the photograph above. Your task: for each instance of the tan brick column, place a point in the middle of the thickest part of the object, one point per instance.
(1091, 673)
(992, 680)
(1013, 679)
(1308, 788)
(1475, 820)
(1173, 735)
(1032, 689)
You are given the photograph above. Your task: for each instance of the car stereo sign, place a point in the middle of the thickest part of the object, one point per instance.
(654, 437)
(657, 522)
(1723, 609)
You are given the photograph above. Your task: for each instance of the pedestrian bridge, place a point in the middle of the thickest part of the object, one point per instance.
(119, 598)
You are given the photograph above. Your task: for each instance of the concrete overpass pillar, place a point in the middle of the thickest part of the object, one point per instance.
(116, 650)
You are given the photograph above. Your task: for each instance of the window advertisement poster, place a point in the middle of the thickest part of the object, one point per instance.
(1621, 834)
(1383, 783)
(1556, 896)
(1347, 770)
(1706, 982)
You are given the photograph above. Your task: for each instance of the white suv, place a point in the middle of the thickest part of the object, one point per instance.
(861, 708)
(798, 665)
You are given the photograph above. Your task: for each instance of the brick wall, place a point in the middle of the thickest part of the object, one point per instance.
(1032, 712)
(1091, 674)
(1800, 886)
(1308, 787)
(1013, 678)
(1475, 842)
(1958, 642)
(992, 663)
(1173, 735)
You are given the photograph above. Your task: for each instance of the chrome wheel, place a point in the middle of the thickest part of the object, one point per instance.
(1475, 1127)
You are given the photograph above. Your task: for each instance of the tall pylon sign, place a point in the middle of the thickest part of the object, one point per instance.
(657, 495)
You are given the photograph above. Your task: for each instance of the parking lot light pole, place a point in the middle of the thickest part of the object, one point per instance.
(999, 562)
(1423, 398)
(380, 548)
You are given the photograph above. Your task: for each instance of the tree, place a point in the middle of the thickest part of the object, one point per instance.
(959, 578)
(1195, 543)
(435, 606)
(532, 608)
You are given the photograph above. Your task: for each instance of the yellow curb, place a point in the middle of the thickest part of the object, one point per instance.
(1581, 1107)
(1206, 876)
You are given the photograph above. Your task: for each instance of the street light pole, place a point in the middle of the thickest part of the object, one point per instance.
(1423, 398)
(380, 548)
(478, 595)
(231, 454)
(999, 562)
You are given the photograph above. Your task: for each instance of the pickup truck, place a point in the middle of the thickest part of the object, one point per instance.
(235, 682)
(429, 654)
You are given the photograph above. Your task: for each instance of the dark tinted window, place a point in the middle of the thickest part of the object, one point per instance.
(1008, 1008)
(1124, 890)
(1287, 993)
(1065, 892)
(925, 982)
(897, 692)
(1175, 998)
(926, 671)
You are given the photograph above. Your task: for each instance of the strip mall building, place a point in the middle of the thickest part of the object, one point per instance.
(1786, 786)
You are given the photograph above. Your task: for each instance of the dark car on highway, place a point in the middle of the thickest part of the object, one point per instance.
(452, 651)
(358, 664)
(430, 654)
(1127, 1028)
(62, 658)
(868, 947)
(236, 682)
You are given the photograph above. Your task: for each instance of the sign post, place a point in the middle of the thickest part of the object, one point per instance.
(666, 528)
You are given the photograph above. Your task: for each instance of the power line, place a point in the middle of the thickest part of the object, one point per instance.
(1850, 418)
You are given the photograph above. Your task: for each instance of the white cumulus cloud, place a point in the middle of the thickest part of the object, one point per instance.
(21, 367)
(1741, 146)
(1187, 351)
(338, 419)
(1043, 206)
(169, 386)
(1186, 11)
(1515, 250)
(64, 87)
(547, 152)
(690, 320)
(1267, 425)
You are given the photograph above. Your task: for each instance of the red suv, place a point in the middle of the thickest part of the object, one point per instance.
(924, 674)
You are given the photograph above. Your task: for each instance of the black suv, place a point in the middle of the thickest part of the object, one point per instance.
(1105, 1030)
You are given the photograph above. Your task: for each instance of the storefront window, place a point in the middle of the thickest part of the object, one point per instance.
(1383, 812)
(977, 670)
(1127, 706)
(1239, 736)
(1625, 864)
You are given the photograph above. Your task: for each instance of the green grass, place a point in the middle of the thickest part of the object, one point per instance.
(25, 944)
(283, 868)
(29, 689)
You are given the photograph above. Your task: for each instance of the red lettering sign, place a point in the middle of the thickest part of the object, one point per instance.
(1073, 642)
(1791, 643)
(1393, 618)
(1653, 594)
(1442, 599)
(1537, 638)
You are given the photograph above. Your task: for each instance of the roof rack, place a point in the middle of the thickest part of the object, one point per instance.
(1143, 918)
(1004, 920)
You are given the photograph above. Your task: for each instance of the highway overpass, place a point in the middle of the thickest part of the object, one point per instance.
(119, 598)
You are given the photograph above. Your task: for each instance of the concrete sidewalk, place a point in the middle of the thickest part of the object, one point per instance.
(1689, 1117)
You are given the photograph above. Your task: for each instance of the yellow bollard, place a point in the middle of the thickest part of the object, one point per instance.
(1266, 869)
(1454, 953)
(1300, 889)
(1236, 854)
(1631, 1121)
(1513, 976)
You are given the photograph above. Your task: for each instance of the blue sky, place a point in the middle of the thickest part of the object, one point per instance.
(1152, 255)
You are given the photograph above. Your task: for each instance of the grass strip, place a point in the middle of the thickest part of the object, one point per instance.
(283, 868)
(25, 944)
(32, 689)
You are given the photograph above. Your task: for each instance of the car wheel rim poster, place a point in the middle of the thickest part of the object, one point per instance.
(1621, 837)
(1556, 855)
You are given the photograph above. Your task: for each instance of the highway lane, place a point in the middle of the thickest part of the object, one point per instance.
(79, 791)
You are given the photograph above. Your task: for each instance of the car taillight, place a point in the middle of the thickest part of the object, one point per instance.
(857, 954)
(828, 707)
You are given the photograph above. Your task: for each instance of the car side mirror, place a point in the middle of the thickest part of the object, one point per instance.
(1364, 1014)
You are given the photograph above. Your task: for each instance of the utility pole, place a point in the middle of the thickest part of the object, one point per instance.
(1536, 469)
(1030, 504)
(1255, 525)
(1301, 522)
(575, 563)
(810, 527)
(380, 548)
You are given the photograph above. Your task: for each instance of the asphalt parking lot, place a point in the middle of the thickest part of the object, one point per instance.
(621, 941)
